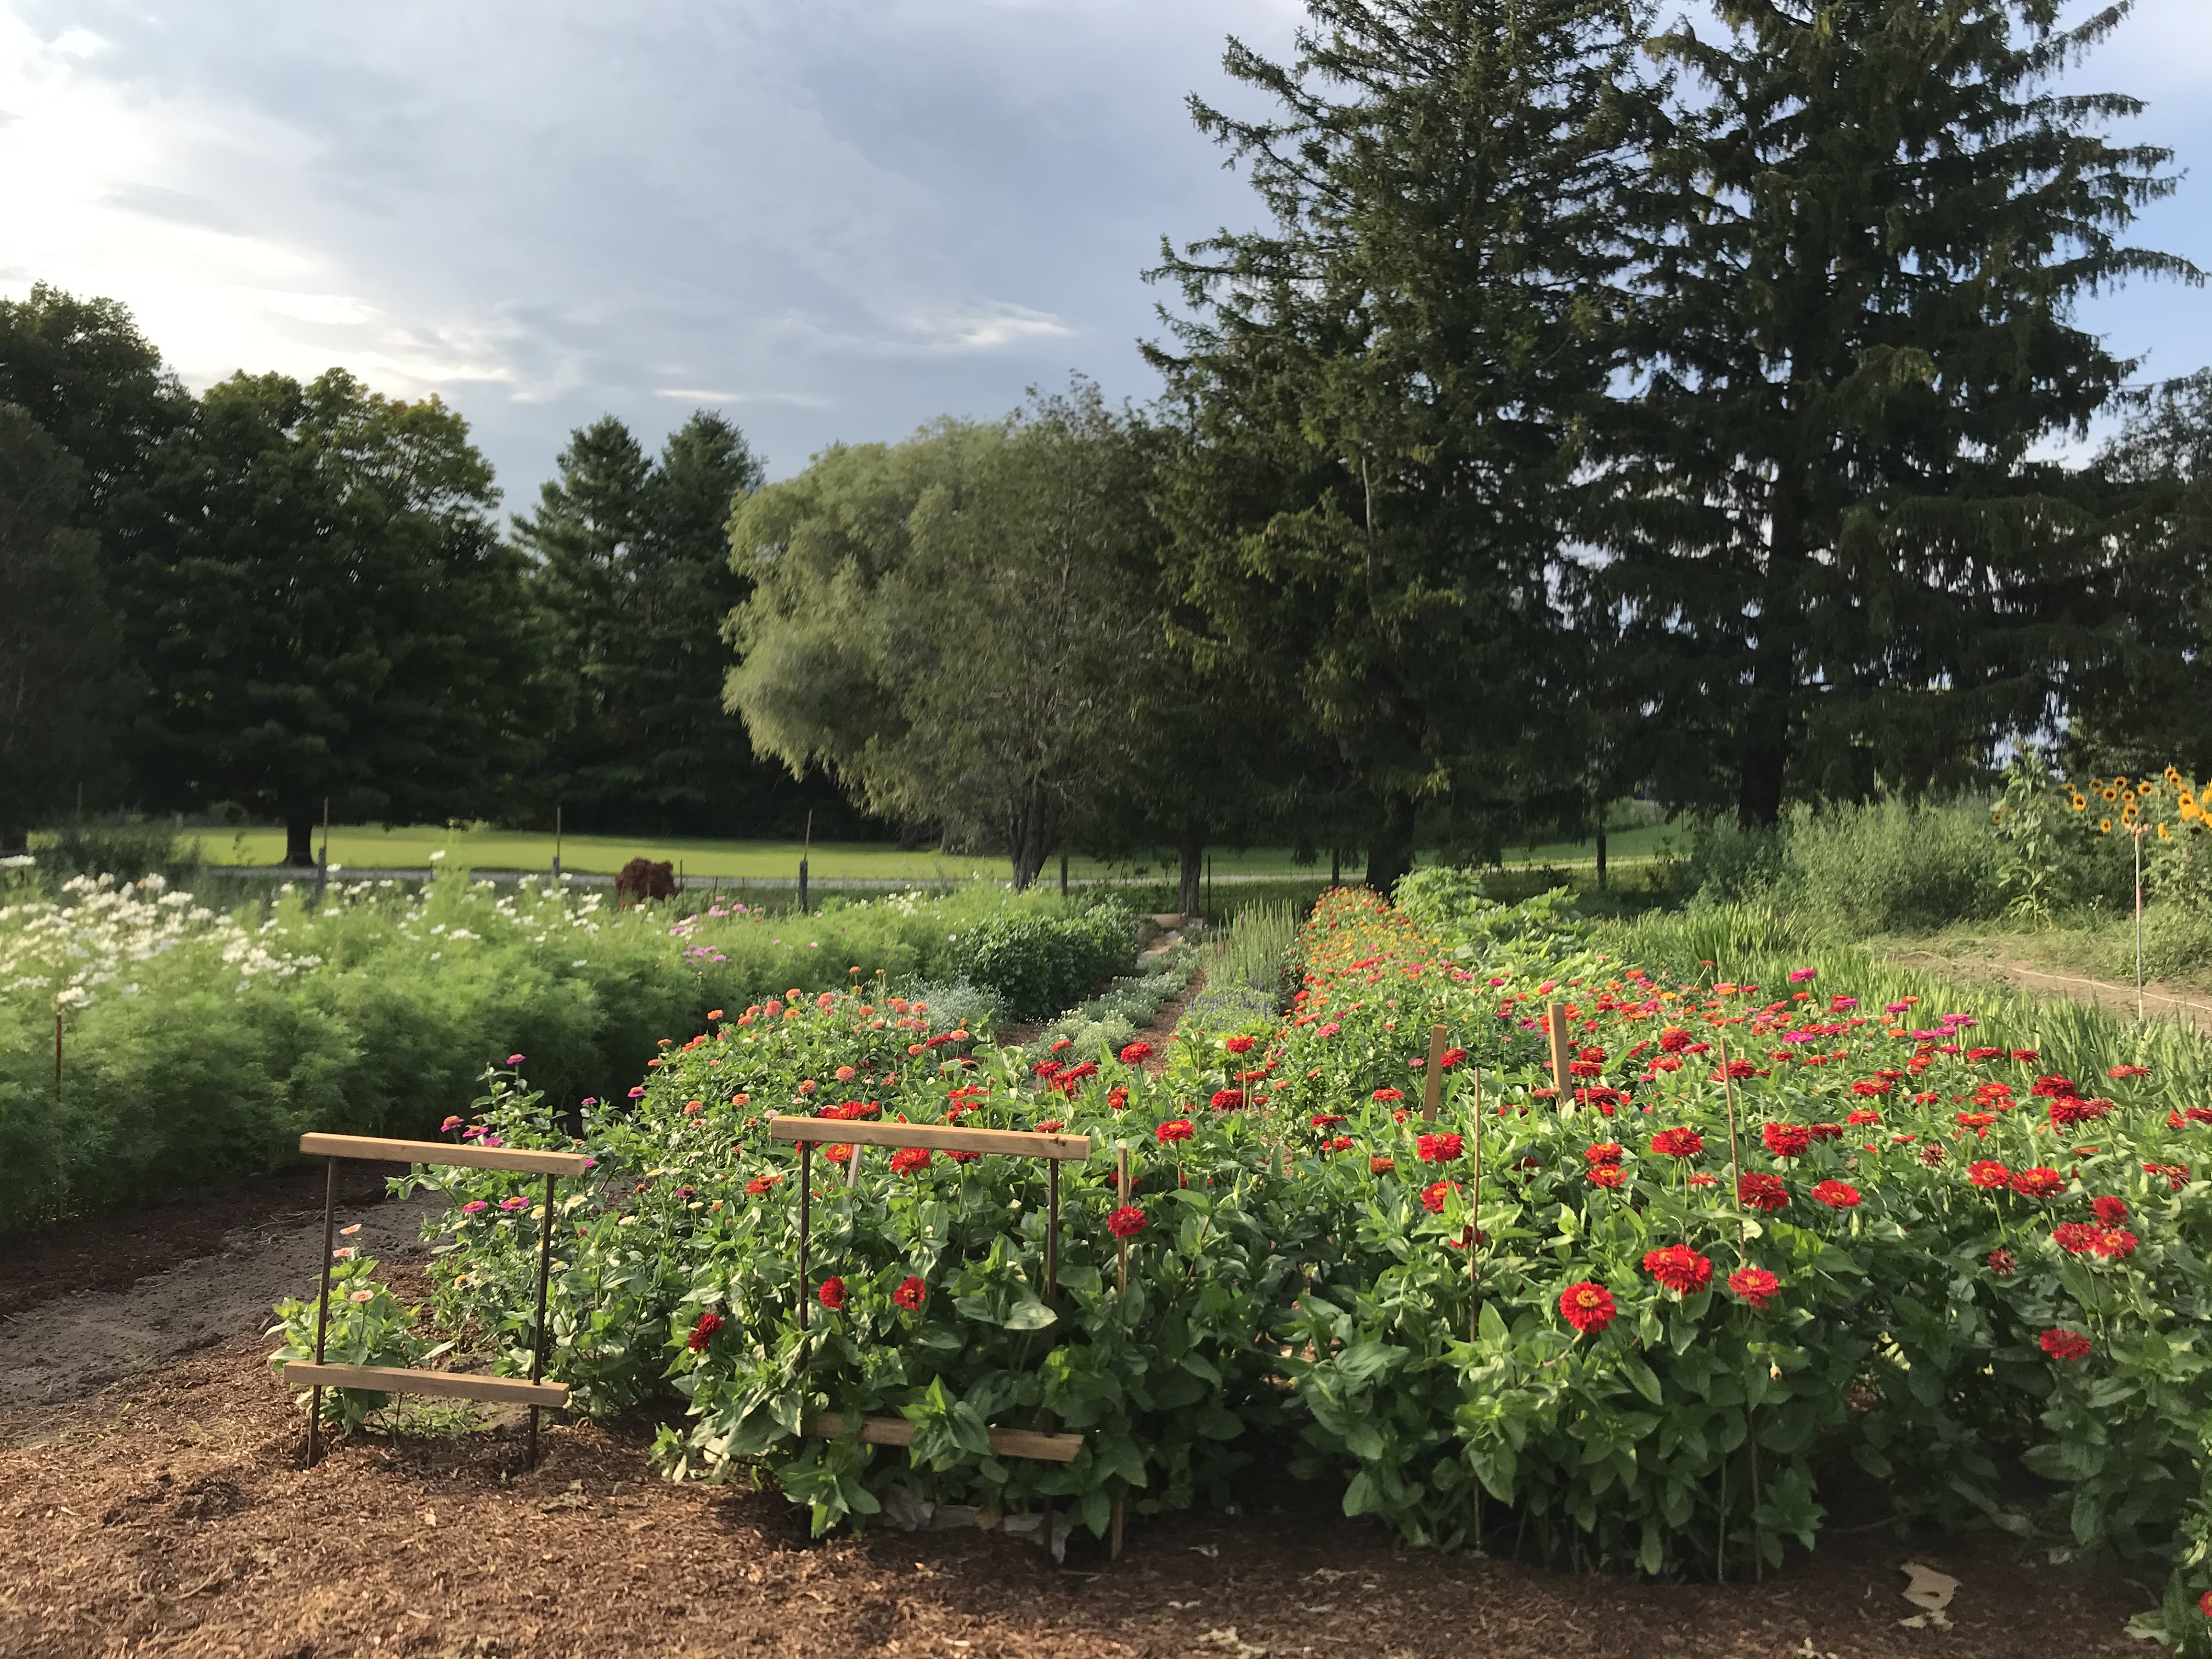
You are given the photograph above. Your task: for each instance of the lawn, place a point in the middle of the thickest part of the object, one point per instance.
(374, 846)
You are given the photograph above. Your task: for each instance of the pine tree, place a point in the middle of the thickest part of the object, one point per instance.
(634, 569)
(1836, 561)
(1389, 390)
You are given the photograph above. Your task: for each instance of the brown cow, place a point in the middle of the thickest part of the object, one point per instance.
(642, 880)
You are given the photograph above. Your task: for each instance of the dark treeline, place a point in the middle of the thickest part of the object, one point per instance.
(1598, 408)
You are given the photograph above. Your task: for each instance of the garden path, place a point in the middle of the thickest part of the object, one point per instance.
(2160, 1001)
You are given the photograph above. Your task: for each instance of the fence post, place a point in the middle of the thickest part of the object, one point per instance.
(1555, 1018)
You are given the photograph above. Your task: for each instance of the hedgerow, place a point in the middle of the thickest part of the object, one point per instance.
(1890, 1233)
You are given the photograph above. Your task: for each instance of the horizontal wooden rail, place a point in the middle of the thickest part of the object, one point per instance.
(440, 1151)
(897, 1431)
(934, 1137)
(446, 1385)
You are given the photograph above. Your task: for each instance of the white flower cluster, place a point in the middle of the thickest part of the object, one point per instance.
(103, 928)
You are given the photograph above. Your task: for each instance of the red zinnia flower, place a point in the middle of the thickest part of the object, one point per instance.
(2068, 1111)
(1753, 1285)
(703, 1332)
(1827, 1132)
(1439, 1148)
(1380, 1165)
(1433, 1195)
(1762, 1192)
(1134, 1052)
(1863, 1115)
(1674, 1040)
(1238, 1045)
(1786, 1139)
(1988, 1173)
(1390, 1094)
(1227, 1099)
(2052, 1088)
(2039, 1182)
(1116, 1099)
(2001, 1263)
(2120, 1071)
(908, 1159)
(2115, 1243)
(910, 1294)
(1127, 1221)
(1678, 1143)
(2109, 1210)
(1608, 1175)
(2062, 1343)
(2074, 1236)
(1837, 1195)
(1679, 1268)
(832, 1294)
(1174, 1129)
(1602, 1152)
(760, 1184)
(2205, 1604)
(1588, 1306)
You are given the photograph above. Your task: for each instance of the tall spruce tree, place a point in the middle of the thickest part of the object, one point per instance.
(58, 683)
(2145, 701)
(1390, 390)
(1836, 561)
(634, 568)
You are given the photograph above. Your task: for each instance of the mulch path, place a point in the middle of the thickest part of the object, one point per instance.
(174, 1516)
(106, 1253)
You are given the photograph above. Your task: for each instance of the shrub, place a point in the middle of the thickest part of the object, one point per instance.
(1889, 868)
(1040, 963)
(126, 850)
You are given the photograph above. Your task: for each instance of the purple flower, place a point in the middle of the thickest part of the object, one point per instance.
(511, 1204)
(475, 1206)
(637, 1093)
(515, 1059)
(590, 1100)
(1799, 976)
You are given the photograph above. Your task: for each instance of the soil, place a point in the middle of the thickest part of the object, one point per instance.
(2160, 1001)
(155, 1500)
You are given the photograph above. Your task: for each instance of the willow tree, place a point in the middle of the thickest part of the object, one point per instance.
(953, 627)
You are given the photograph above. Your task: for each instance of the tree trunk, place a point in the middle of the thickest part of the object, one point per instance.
(1600, 855)
(299, 841)
(1390, 852)
(1063, 872)
(1190, 847)
(1335, 867)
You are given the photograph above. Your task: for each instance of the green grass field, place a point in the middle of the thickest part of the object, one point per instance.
(372, 846)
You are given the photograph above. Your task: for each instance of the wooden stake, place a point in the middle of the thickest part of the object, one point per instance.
(1555, 1019)
(1122, 1247)
(1432, 1089)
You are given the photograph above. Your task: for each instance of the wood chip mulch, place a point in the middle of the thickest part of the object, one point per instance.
(174, 1516)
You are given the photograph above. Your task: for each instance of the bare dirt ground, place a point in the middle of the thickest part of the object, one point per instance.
(2161, 1000)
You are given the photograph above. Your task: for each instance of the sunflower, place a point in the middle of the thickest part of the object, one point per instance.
(2104, 826)
(2081, 803)
(2112, 792)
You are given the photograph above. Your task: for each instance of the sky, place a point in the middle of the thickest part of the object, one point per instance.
(831, 220)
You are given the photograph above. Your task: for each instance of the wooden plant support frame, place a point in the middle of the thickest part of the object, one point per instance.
(937, 1137)
(1555, 1022)
(451, 1385)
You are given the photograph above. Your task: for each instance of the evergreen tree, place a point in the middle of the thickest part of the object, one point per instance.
(334, 616)
(1836, 559)
(634, 568)
(58, 683)
(1389, 390)
(2145, 700)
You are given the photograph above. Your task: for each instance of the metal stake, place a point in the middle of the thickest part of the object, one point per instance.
(544, 1278)
(322, 1312)
(806, 1216)
(1051, 1229)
